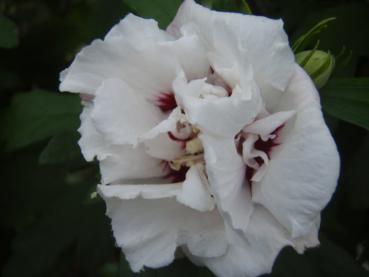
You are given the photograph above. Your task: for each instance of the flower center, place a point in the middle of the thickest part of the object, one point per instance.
(193, 152)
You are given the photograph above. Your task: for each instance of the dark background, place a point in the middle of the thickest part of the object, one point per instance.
(50, 226)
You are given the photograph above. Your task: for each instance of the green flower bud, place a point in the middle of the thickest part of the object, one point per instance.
(318, 64)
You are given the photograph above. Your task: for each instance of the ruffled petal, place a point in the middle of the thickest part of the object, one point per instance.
(302, 173)
(157, 141)
(310, 240)
(195, 193)
(138, 30)
(265, 126)
(253, 253)
(226, 173)
(121, 114)
(92, 143)
(222, 116)
(148, 224)
(127, 163)
(135, 62)
(235, 39)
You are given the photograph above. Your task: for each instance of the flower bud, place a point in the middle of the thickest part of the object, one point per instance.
(318, 64)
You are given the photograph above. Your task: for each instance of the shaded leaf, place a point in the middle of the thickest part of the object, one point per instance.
(37, 115)
(162, 11)
(328, 259)
(8, 33)
(62, 148)
(8, 80)
(69, 230)
(348, 100)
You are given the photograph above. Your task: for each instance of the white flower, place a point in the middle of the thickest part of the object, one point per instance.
(210, 140)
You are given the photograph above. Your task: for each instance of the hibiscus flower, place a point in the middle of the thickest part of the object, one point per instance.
(209, 137)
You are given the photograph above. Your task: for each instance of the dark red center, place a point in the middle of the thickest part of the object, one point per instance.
(175, 176)
(166, 101)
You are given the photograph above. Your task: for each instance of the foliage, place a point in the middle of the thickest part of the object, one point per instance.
(49, 224)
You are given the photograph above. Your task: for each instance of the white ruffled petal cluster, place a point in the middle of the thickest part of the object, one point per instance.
(209, 137)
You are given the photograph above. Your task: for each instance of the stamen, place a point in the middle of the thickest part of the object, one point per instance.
(187, 161)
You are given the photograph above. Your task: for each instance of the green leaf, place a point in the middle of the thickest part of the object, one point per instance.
(348, 100)
(52, 221)
(35, 116)
(163, 11)
(8, 33)
(62, 148)
(327, 259)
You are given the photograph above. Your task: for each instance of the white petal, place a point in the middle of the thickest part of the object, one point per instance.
(157, 142)
(125, 163)
(190, 54)
(222, 116)
(149, 230)
(92, 142)
(195, 192)
(254, 253)
(226, 173)
(137, 65)
(302, 173)
(138, 30)
(265, 126)
(122, 114)
(241, 39)
(309, 240)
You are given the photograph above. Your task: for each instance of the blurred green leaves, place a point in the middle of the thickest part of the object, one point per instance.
(37, 115)
(8, 33)
(348, 100)
(66, 223)
(328, 259)
(62, 149)
(163, 11)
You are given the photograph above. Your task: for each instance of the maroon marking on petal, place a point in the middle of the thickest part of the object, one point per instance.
(166, 101)
(173, 137)
(248, 174)
(175, 176)
(266, 147)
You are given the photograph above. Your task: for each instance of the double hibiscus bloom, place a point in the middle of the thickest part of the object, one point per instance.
(209, 137)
